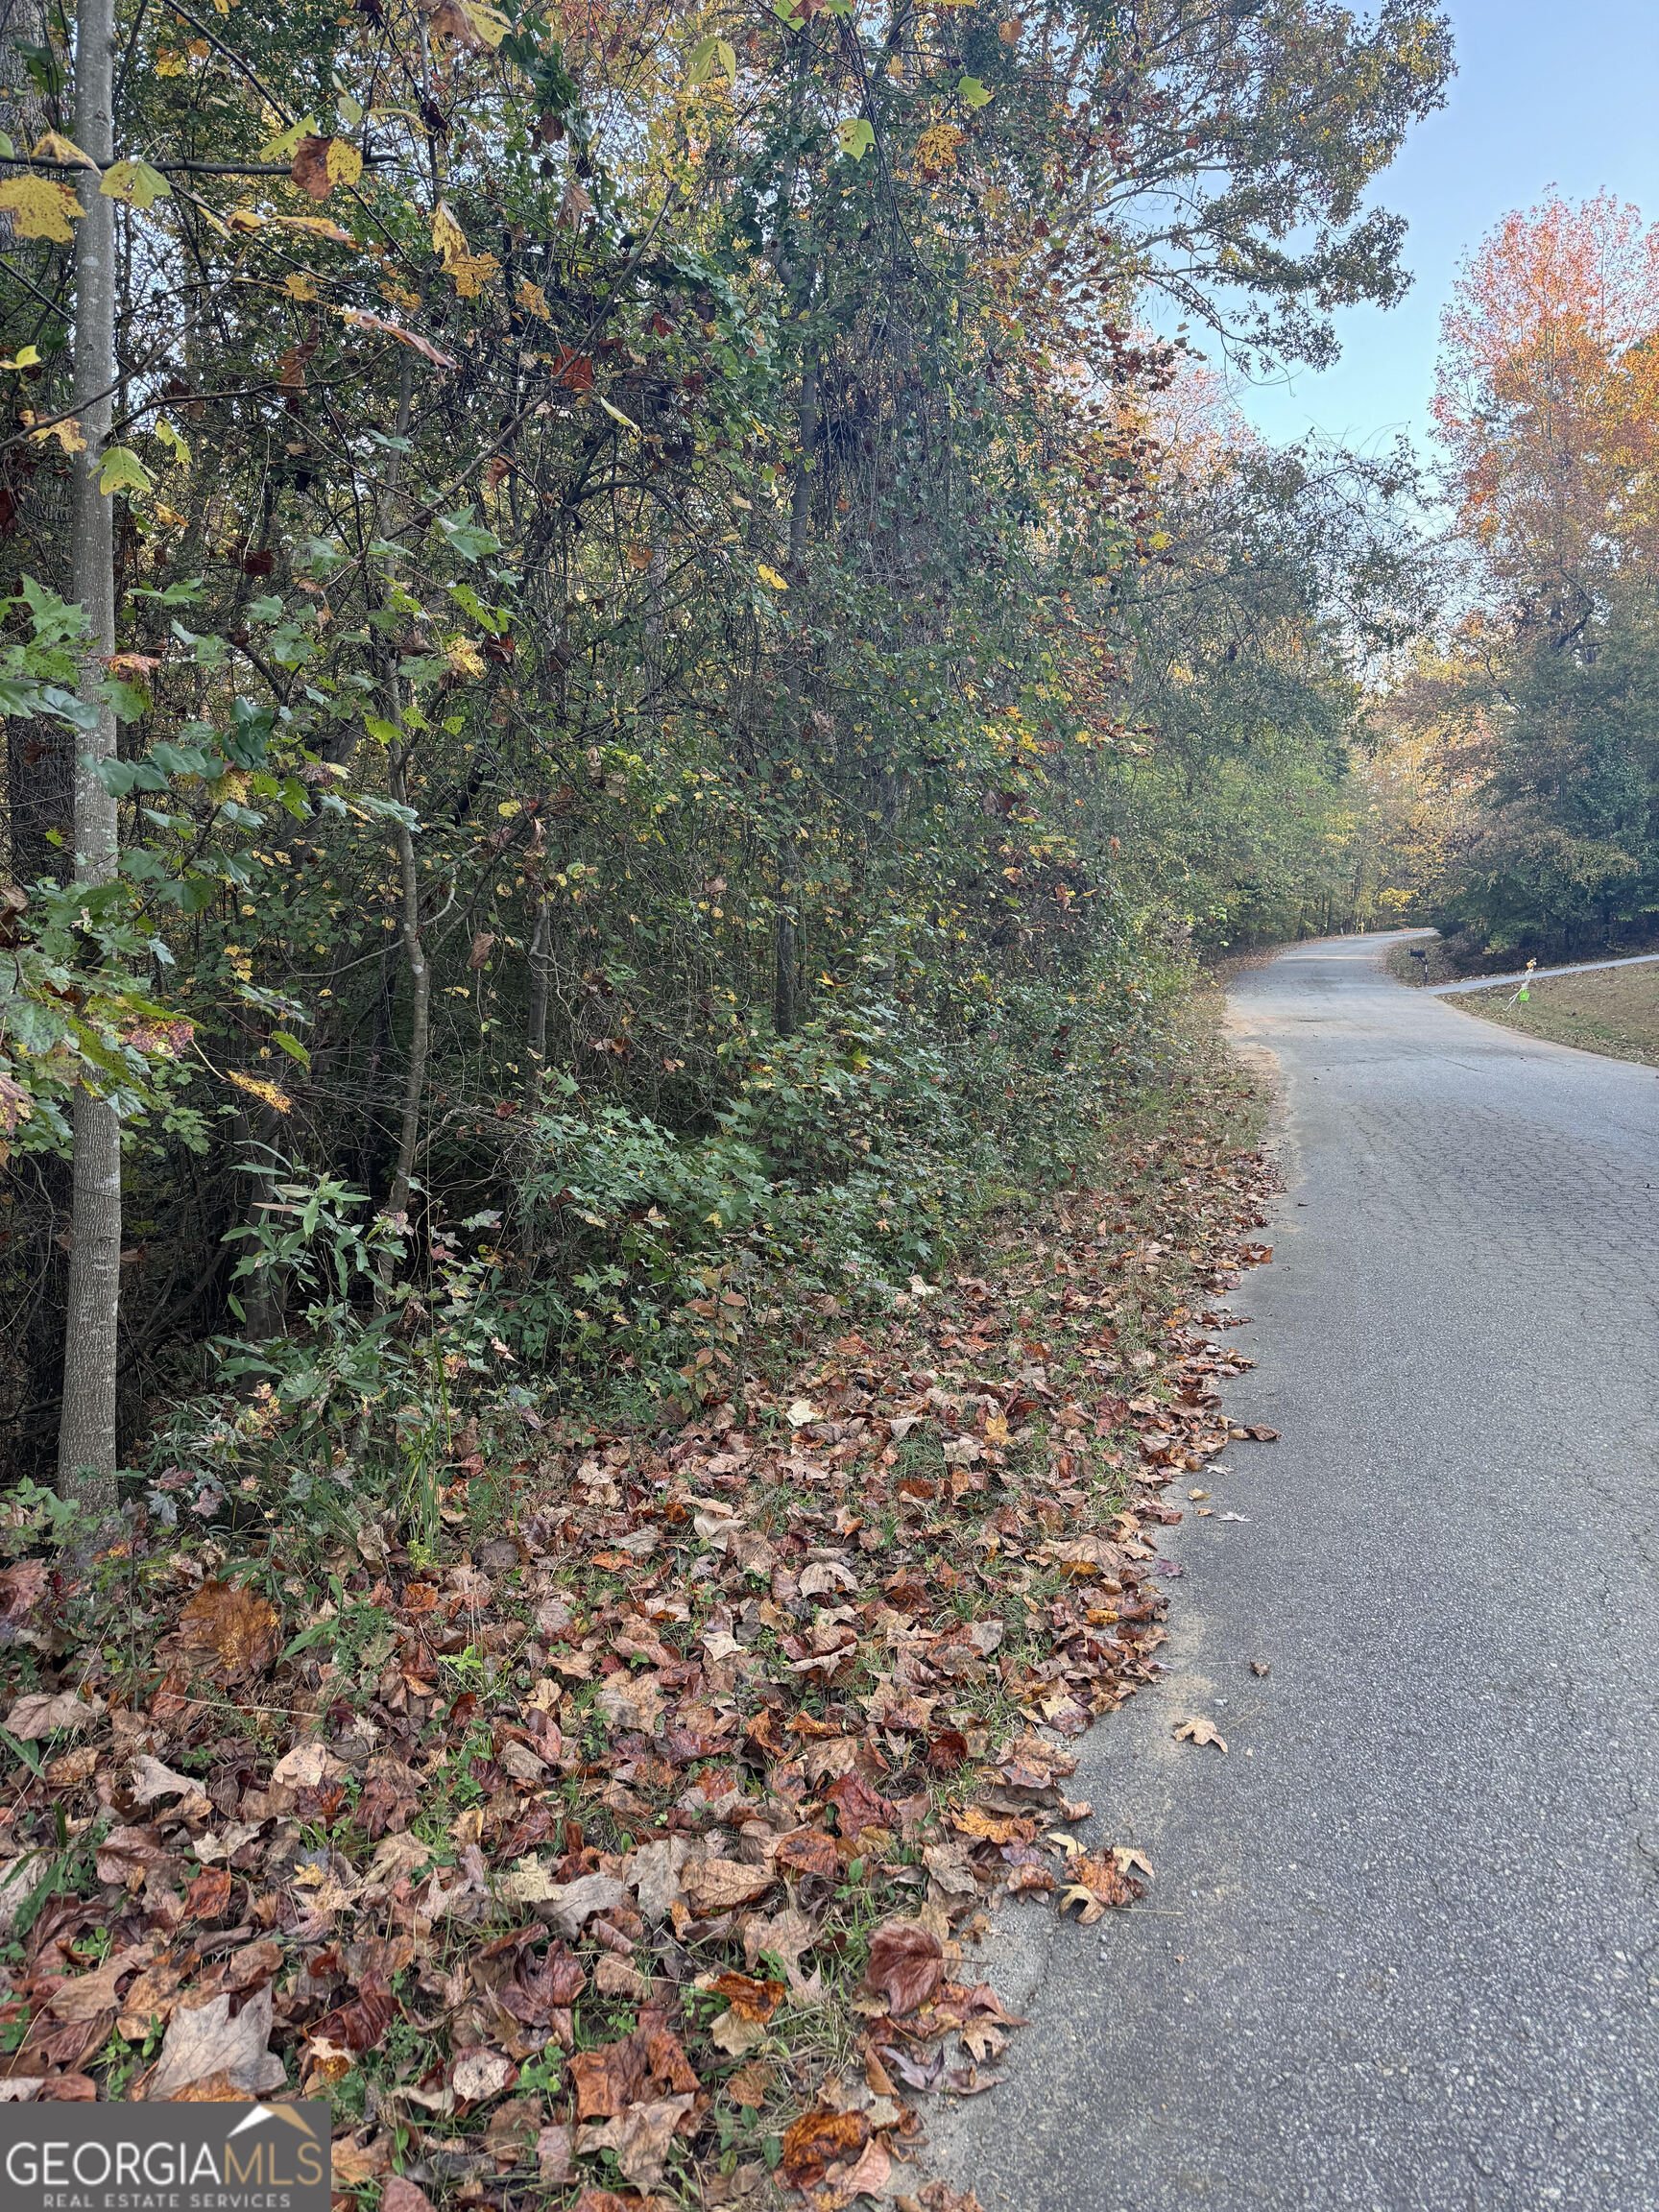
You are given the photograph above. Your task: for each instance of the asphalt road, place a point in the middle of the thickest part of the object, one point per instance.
(1402, 1954)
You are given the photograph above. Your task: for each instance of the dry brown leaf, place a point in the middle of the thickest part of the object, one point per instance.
(721, 1884)
(240, 1631)
(639, 2138)
(553, 2157)
(906, 1964)
(1198, 1730)
(207, 2041)
(319, 164)
(42, 1713)
(401, 2195)
(152, 1780)
(354, 2164)
(818, 2141)
(83, 1996)
(751, 2085)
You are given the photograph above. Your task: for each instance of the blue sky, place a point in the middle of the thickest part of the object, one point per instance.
(1561, 94)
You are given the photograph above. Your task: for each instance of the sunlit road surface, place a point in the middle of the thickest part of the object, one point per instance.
(1401, 1948)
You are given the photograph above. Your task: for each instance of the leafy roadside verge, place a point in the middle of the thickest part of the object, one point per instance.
(631, 1844)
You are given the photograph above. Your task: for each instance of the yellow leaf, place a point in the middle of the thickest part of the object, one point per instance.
(169, 63)
(464, 657)
(257, 1087)
(54, 146)
(769, 576)
(488, 23)
(471, 271)
(936, 148)
(448, 239)
(26, 357)
(534, 302)
(298, 287)
(67, 432)
(319, 225)
(40, 208)
(345, 162)
(471, 275)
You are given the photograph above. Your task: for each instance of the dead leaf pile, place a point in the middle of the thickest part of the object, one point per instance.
(562, 1861)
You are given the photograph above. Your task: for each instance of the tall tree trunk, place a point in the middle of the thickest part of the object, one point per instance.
(786, 1010)
(86, 1437)
(540, 979)
(420, 991)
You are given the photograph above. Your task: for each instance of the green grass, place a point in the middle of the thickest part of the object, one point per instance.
(1613, 1011)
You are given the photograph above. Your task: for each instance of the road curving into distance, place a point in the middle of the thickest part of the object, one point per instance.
(1402, 1954)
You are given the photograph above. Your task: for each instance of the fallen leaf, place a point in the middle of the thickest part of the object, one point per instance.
(399, 2193)
(83, 1996)
(1098, 1885)
(905, 1966)
(239, 1630)
(553, 2147)
(479, 2074)
(751, 2085)
(638, 2137)
(207, 2040)
(818, 2141)
(1198, 1730)
(354, 2164)
(152, 1780)
(42, 1713)
(308, 1767)
(714, 1886)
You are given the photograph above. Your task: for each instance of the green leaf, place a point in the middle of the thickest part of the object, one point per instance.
(382, 732)
(178, 760)
(710, 56)
(122, 470)
(282, 148)
(175, 595)
(857, 138)
(466, 537)
(130, 702)
(973, 91)
(135, 184)
(292, 1046)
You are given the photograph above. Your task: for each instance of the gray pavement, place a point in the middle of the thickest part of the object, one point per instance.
(1401, 1953)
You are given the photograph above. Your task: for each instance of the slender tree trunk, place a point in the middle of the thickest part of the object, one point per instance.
(86, 1437)
(785, 1011)
(420, 991)
(540, 979)
(784, 1017)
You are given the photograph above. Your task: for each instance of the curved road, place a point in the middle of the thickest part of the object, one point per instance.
(1402, 1954)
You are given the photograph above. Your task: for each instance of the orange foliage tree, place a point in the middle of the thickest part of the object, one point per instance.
(1548, 402)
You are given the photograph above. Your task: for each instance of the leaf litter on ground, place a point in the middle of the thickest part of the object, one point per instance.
(636, 1852)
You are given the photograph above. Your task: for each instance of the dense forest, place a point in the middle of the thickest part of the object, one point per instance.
(636, 643)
